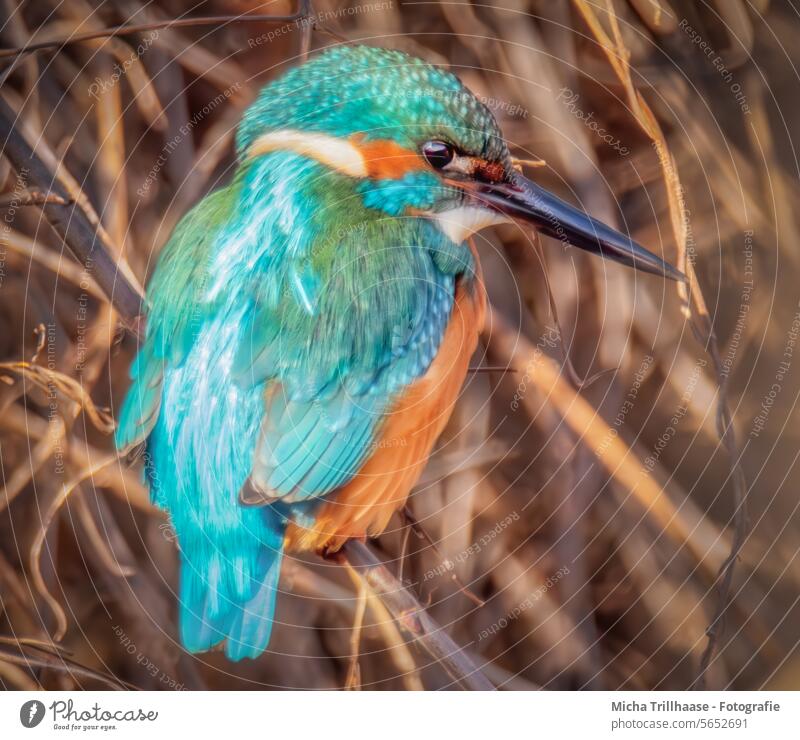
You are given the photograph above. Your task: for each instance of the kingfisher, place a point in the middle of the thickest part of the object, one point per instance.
(309, 325)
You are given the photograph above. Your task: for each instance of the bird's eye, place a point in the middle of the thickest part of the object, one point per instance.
(438, 154)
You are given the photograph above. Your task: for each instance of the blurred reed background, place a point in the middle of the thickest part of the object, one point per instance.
(583, 496)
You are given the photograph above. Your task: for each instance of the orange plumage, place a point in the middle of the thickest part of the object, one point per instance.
(364, 505)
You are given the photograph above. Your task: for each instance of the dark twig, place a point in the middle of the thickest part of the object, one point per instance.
(69, 222)
(58, 662)
(704, 333)
(566, 361)
(31, 198)
(128, 29)
(419, 530)
(491, 369)
(413, 619)
(305, 12)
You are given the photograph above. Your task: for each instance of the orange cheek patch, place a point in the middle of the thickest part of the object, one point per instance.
(387, 160)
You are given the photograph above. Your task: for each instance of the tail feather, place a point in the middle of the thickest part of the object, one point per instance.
(201, 629)
(251, 625)
(213, 610)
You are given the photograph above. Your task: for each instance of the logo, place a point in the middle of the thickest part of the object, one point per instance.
(32, 713)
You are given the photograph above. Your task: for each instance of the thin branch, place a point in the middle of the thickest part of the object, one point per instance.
(31, 198)
(414, 620)
(353, 680)
(701, 325)
(41, 536)
(419, 530)
(305, 12)
(64, 665)
(491, 369)
(128, 29)
(70, 223)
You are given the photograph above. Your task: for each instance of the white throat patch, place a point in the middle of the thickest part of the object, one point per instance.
(458, 224)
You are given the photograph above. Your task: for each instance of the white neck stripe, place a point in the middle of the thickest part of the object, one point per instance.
(338, 154)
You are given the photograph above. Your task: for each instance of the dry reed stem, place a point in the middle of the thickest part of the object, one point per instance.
(353, 679)
(62, 664)
(398, 649)
(16, 677)
(611, 451)
(41, 536)
(40, 454)
(39, 253)
(51, 381)
(618, 56)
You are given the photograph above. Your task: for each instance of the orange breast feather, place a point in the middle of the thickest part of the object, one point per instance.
(365, 504)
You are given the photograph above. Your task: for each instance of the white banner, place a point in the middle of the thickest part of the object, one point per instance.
(390, 716)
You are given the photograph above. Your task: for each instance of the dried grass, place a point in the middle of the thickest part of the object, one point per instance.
(537, 472)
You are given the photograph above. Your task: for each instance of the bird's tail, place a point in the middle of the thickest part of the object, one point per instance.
(229, 594)
(200, 448)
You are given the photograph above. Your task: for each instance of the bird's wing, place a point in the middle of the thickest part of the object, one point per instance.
(332, 329)
(176, 308)
(329, 389)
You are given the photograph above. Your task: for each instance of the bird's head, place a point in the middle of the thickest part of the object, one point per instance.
(417, 143)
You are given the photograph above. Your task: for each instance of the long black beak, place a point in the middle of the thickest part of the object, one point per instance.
(524, 200)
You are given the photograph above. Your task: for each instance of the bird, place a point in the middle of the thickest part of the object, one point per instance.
(310, 324)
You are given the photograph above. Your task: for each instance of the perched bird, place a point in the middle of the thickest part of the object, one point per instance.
(309, 326)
